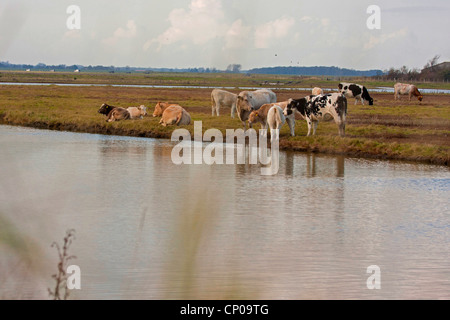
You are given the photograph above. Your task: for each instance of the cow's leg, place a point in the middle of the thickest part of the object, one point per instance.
(315, 127)
(233, 111)
(291, 124)
(308, 121)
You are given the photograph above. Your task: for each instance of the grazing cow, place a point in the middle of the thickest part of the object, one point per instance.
(321, 108)
(160, 107)
(261, 116)
(223, 99)
(407, 89)
(249, 101)
(317, 91)
(357, 91)
(137, 112)
(175, 115)
(118, 114)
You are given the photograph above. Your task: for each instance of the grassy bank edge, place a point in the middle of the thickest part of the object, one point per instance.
(324, 144)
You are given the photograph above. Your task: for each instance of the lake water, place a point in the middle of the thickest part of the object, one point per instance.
(148, 229)
(378, 89)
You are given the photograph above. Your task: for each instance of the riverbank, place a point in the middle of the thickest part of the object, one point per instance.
(388, 130)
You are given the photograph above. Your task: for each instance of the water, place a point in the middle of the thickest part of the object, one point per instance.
(378, 89)
(147, 229)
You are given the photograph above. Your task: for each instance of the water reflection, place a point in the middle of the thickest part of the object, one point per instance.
(147, 228)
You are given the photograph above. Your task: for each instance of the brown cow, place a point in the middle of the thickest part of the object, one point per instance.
(160, 107)
(175, 115)
(118, 114)
(261, 116)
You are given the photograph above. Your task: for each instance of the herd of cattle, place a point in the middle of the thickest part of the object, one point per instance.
(261, 106)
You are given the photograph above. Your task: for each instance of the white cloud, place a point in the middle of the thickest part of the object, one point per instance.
(129, 32)
(272, 30)
(237, 35)
(199, 24)
(72, 34)
(374, 41)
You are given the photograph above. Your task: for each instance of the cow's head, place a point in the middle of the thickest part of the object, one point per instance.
(158, 110)
(244, 101)
(290, 108)
(143, 110)
(420, 97)
(300, 105)
(370, 101)
(105, 109)
(254, 117)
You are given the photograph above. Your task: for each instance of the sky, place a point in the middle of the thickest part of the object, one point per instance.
(216, 33)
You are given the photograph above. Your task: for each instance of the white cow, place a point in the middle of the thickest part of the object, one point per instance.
(137, 112)
(223, 99)
(249, 101)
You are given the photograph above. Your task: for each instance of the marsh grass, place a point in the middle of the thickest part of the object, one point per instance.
(390, 130)
(61, 292)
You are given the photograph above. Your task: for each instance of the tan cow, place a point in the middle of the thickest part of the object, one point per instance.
(317, 91)
(223, 99)
(137, 112)
(175, 115)
(407, 89)
(160, 107)
(118, 114)
(261, 116)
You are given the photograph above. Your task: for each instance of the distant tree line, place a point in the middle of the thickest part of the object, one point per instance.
(432, 71)
(317, 71)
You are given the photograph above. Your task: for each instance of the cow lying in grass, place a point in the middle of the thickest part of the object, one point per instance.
(175, 115)
(320, 108)
(161, 107)
(114, 113)
(137, 112)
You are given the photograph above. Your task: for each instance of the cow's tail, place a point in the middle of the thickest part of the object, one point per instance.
(278, 115)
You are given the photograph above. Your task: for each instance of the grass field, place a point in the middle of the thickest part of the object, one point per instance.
(401, 130)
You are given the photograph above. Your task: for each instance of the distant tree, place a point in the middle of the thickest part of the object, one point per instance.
(234, 68)
(432, 62)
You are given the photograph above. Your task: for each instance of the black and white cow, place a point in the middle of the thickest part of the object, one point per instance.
(320, 108)
(357, 91)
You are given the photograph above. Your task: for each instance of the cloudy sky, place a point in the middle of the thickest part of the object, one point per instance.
(216, 33)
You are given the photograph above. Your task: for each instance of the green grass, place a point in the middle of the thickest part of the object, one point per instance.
(390, 130)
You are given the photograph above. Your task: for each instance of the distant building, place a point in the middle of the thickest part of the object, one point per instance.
(78, 70)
